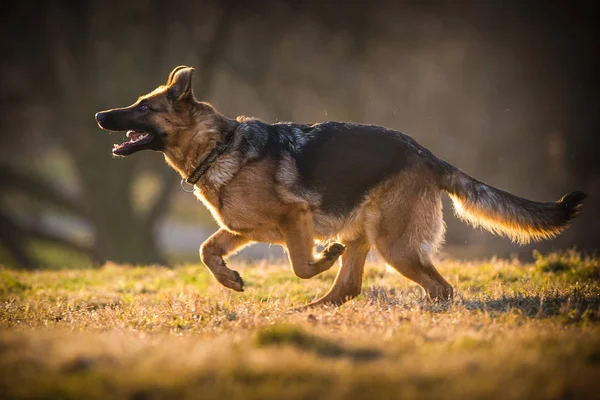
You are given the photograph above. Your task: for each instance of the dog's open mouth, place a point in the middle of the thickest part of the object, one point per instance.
(137, 141)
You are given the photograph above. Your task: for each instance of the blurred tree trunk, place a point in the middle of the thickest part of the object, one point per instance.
(79, 57)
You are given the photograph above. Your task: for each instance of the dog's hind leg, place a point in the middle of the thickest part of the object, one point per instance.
(212, 252)
(348, 282)
(420, 271)
(296, 227)
(405, 225)
(411, 257)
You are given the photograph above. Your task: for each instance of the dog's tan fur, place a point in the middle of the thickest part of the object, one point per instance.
(260, 201)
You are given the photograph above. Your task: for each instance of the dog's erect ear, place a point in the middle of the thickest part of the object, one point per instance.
(172, 74)
(180, 83)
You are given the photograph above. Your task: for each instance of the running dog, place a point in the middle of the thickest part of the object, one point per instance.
(355, 187)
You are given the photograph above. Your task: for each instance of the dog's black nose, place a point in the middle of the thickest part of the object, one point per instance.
(100, 117)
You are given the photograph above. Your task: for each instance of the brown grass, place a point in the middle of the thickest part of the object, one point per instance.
(514, 331)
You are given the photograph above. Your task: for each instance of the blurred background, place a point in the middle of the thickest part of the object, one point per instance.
(506, 91)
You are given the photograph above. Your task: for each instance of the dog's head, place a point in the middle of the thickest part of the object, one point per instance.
(162, 120)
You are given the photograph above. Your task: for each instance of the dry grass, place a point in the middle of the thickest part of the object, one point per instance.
(514, 331)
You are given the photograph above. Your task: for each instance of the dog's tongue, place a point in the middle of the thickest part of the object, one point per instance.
(134, 139)
(132, 136)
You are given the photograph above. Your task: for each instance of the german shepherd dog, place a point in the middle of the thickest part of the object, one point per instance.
(353, 186)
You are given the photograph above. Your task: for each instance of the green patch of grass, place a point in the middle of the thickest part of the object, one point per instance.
(56, 257)
(569, 263)
(10, 285)
(50, 256)
(299, 338)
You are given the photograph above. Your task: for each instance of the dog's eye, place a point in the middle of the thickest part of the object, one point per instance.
(143, 107)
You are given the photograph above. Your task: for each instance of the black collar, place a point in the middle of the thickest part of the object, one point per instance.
(210, 159)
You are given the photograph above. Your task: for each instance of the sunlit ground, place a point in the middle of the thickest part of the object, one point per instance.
(514, 331)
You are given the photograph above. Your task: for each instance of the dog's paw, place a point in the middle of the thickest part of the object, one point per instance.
(334, 250)
(232, 280)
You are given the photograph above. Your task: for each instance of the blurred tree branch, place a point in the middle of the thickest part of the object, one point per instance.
(30, 185)
(16, 235)
(15, 243)
(39, 233)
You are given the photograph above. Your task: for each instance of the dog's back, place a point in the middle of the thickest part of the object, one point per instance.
(343, 162)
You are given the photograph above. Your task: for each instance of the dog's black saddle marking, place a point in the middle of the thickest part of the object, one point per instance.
(342, 162)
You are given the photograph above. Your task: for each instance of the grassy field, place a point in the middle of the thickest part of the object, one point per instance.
(513, 331)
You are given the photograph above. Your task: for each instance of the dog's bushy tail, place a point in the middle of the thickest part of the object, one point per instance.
(505, 214)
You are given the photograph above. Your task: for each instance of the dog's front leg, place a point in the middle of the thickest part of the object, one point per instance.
(220, 244)
(297, 230)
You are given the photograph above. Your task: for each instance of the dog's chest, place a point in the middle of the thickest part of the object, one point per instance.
(248, 202)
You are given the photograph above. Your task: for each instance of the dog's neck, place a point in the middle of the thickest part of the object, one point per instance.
(208, 135)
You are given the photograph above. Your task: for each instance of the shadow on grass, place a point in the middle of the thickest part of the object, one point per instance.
(574, 307)
(296, 337)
